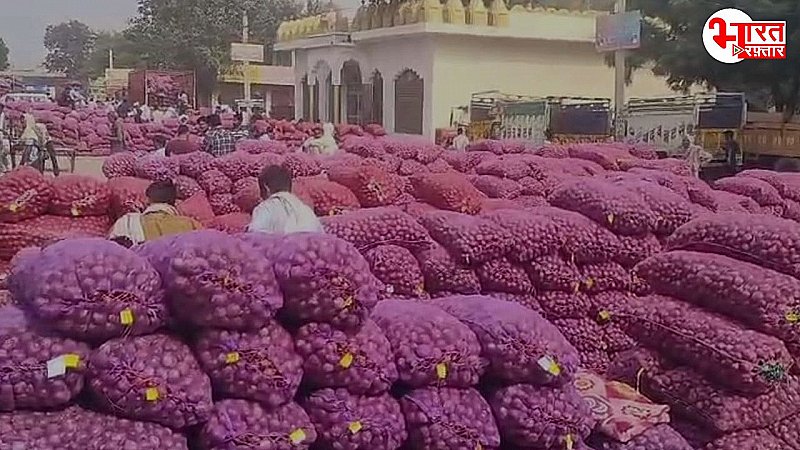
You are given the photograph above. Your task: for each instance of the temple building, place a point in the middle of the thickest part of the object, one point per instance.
(409, 67)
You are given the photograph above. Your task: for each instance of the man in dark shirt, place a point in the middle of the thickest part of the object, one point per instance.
(219, 141)
(733, 152)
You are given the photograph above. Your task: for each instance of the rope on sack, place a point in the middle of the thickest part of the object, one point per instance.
(22, 200)
(154, 389)
(769, 371)
(256, 359)
(546, 362)
(349, 357)
(457, 430)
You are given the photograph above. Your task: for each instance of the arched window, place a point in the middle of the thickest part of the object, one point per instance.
(352, 93)
(409, 90)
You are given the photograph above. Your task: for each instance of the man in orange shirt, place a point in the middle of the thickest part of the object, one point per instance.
(160, 219)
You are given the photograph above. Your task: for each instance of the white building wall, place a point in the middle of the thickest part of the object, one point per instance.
(464, 65)
(531, 58)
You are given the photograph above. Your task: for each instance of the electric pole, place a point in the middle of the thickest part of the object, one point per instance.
(246, 64)
(619, 82)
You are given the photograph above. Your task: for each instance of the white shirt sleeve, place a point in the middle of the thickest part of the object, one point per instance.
(284, 213)
(268, 217)
(129, 226)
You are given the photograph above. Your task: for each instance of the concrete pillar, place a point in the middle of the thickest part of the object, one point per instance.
(312, 106)
(337, 103)
(388, 104)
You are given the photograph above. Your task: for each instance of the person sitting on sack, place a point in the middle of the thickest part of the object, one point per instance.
(161, 218)
(281, 211)
(324, 145)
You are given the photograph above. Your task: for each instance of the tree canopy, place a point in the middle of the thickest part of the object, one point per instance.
(187, 34)
(672, 47)
(69, 46)
(171, 34)
(3, 55)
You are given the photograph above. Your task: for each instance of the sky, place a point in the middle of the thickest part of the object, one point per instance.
(22, 22)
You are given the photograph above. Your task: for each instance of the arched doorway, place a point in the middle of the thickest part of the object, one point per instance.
(352, 93)
(377, 98)
(409, 91)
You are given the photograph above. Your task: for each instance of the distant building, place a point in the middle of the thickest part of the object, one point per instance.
(407, 68)
(273, 86)
(38, 82)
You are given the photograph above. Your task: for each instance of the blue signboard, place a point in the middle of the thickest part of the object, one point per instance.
(618, 31)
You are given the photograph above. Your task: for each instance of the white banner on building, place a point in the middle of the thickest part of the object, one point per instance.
(247, 52)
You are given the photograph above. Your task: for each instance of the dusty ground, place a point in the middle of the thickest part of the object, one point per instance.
(86, 165)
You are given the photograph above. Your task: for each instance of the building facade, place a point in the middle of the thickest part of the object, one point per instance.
(271, 85)
(411, 67)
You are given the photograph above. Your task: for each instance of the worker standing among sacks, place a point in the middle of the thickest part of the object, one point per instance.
(281, 211)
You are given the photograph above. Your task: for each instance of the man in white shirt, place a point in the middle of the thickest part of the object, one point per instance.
(281, 211)
(461, 141)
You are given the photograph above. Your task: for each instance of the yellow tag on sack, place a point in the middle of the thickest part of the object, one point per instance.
(151, 394)
(348, 301)
(297, 436)
(346, 361)
(13, 207)
(72, 361)
(355, 427)
(792, 317)
(75, 211)
(550, 365)
(604, 315)
(569, 441)
(441, 371)
(610, 219)
(232, 358)
(126, 316)
(589, 283)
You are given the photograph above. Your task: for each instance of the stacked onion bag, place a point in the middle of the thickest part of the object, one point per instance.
(720, 337)
(239, 424)
(92, 290)
(325, 279)
(259, 365)
(439, 359)
(151, 378)
(40, 370)
(348, 421)
(527, 357)
(76, 428)
(213, 279)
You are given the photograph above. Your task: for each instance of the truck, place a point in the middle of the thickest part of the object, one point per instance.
(570, 119)
(768, 137)
(161, 87)
(665, 121)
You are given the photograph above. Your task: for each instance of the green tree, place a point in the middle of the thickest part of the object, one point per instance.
(3, 55)
(192, 35)
(672, 47)
(69, 45)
